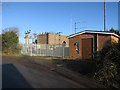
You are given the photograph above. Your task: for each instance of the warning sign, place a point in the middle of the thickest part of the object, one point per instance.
(38, 46)
(51, 47)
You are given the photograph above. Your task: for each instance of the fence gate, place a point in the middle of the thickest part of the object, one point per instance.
(53, 50)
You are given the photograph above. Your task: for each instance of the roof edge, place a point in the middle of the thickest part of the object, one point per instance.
(88, 31)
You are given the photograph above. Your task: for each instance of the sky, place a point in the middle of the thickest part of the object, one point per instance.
(119, 16)
(56, 16)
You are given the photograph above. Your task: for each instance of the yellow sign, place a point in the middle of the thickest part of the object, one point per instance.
(51, 46)
(38, 46)
(76, 47)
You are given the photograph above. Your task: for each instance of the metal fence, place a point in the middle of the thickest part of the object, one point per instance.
(54, 50)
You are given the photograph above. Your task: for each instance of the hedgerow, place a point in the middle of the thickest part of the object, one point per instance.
(107, 65)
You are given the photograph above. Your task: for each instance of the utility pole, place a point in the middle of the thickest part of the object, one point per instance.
(119, 17)
(28, 38)
(25, 38)
(28, 32)
(105, 15)
(25, 42)
(28, 35)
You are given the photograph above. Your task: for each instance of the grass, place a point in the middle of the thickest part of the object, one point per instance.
(47, 57)
(20, 55)
(5, 54)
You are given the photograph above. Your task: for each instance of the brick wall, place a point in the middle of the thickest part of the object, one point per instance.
(102, 40)
(72, 51)
(42, 39)
(49, 38)
(54, 39)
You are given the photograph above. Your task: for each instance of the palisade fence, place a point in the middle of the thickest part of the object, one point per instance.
(53, 50)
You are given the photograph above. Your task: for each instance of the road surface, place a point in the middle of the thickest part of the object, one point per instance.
(26, 72)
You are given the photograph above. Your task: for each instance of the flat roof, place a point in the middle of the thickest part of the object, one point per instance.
(90, 31)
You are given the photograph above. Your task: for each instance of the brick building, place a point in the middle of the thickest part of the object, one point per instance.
(83, 44)
(49, 38)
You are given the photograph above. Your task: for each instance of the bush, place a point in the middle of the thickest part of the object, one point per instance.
(10, 42)
(108, 65)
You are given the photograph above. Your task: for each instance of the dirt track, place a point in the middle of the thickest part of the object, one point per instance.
(36, 72)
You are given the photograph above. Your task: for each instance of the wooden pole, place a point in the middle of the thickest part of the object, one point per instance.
(105, 15)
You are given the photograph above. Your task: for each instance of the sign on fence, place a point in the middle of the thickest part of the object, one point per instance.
(38, 46)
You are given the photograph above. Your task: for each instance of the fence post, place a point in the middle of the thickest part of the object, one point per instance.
(63, 50)
(53, 51)
(40, 51)
(36, 49)
(25, 49)
(46, 50)
(31, 50)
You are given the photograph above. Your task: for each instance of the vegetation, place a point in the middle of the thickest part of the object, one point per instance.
(10, 42)
(114, 31)
(107, 65)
